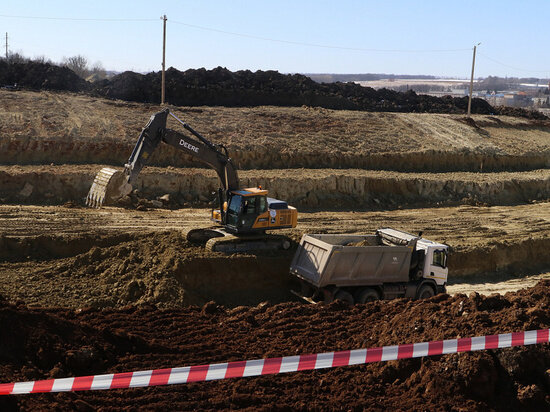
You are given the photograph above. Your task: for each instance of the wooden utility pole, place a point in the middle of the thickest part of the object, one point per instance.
(162, 92)
(472, 81)
(6, 45)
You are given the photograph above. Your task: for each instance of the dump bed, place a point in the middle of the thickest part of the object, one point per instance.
(353, 260)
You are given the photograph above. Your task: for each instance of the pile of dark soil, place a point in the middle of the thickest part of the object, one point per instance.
(519, 112)
(157, 268)
(35, 75)
(221, 87)
(63, 342)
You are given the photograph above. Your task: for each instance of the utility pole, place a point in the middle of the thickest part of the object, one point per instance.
(6, 45)
(472, 81)
(162, 92)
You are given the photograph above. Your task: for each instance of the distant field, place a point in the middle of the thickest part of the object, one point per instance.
(391, 83)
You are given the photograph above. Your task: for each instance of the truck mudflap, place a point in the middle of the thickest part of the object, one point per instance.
(304, 298)
(441, 289)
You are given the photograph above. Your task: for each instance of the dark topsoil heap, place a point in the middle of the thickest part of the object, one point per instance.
(41, 76)
(221, 87)
(37, 344)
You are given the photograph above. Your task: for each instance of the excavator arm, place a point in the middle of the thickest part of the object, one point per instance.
(111, 184)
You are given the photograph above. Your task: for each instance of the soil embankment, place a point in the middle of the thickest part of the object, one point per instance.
(324, 189)
(45, 128)
(221, 87)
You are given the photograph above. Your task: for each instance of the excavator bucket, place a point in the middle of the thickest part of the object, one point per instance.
(108, 186)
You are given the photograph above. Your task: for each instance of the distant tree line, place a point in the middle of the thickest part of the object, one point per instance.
(78, 64)
(506, 83)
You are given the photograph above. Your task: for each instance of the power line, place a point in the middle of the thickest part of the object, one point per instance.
(72, 18)
(250, 36)
(512, 67)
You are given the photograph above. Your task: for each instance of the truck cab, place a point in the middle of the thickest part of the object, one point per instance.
(435, 261)
(429, 258)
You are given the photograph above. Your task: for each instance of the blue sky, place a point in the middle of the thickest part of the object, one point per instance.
(401, 37)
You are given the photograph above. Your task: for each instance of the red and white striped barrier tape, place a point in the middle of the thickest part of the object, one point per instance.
(257, 367)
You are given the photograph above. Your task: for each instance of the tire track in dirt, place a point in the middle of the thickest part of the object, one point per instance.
(122, 257)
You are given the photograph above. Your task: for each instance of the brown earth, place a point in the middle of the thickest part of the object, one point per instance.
(59, 128)
(62, 342)
(116, 289)
(324, 189)
(76, 257)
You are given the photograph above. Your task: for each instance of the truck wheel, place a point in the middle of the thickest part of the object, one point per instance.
(368, 295)
(344, 297)
(425, 292)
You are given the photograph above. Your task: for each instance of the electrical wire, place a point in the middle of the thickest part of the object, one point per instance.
(512, 67)
(73, 18)
(250, 36)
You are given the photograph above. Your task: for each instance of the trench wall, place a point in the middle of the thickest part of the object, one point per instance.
(309, 189)
(81, 150)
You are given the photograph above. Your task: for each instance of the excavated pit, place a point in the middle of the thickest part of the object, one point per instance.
(124, 291)
(165, 270)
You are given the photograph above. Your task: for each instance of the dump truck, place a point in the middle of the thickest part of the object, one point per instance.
(363, 268)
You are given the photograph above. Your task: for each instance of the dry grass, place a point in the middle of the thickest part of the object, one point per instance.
(27, 114)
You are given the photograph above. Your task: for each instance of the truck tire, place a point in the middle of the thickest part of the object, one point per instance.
(425, 292)
(367, 295)
(344, 297)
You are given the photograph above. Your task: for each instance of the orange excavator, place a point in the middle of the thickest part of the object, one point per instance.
(243, 215)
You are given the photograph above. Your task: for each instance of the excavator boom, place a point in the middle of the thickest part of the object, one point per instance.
(244, 214)
(110, 184)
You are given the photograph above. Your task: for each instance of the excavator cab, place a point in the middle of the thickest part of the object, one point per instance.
(251, 210)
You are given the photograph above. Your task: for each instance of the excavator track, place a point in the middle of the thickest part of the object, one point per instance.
(218, 240)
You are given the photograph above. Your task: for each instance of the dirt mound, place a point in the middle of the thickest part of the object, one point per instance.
(161, 268)
(519, 112)
(35, 75)
(43, 345)
(221, 87)
(507, 379)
